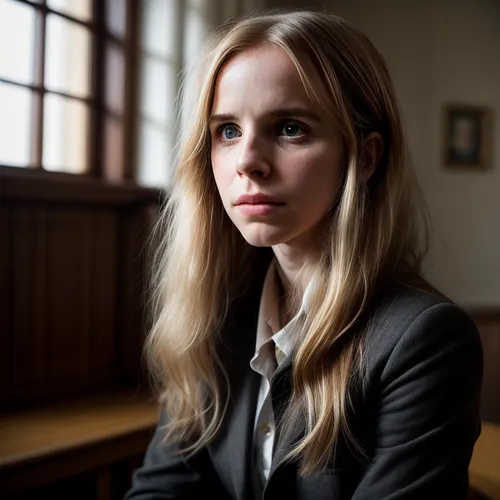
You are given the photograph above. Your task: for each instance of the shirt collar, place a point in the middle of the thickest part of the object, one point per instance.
(268, 322)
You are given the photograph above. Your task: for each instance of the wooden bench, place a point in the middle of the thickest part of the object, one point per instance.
(41, 447)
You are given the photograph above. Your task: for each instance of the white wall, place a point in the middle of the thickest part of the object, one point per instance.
(440, 51)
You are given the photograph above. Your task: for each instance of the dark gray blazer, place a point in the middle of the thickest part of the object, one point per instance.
(417, 416)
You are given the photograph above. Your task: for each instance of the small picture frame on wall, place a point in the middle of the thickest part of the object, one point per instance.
(467, 136)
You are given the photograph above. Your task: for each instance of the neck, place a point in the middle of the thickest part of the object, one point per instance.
(295, 268)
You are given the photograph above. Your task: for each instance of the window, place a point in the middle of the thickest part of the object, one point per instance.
(160, 66)
(172, 33)
(63, 85)
(91, 87)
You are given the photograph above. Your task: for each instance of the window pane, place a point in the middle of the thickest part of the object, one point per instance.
(158, 30)
(155, 146)
(65, 136)
(15, 125)
(116, 17)
(81, 9)
(115, 78)
(67, 67)
(157, 91)
(17, 41)
(195, 31)
(157, 111)
(113, 148)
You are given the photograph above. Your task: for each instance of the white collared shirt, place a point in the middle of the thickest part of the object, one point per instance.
(264, 363)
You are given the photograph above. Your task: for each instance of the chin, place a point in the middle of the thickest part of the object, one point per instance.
(262, 240)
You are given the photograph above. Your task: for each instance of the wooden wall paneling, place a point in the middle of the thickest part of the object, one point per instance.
(135, 227)
(6, 333)
(489, 328)
(130, 296)
(122, 475)
(103, 318)
(28, 332)
(68, 300)
(26, 185)
(40, 303)
(77, 488)
(491, 380)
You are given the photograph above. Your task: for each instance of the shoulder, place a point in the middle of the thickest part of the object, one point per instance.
(405, 325)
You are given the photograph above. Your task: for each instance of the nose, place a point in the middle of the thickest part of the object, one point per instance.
(253, 158)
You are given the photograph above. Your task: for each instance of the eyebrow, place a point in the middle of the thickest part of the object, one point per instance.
(276, 113)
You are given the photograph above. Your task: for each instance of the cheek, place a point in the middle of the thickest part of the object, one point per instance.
(220, 173)
(316, 174)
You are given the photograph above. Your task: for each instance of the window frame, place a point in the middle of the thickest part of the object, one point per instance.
(99, 72)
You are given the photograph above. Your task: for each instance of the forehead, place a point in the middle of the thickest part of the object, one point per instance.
(259, 78)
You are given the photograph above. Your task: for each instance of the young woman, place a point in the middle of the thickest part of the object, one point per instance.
(299, 353)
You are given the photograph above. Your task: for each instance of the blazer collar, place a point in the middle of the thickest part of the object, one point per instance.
(285, 434)
(232, 449)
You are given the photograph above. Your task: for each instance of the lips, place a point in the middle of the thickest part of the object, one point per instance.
(258, 204)
(256, 199)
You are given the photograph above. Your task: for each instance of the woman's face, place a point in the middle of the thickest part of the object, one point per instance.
(276, 157)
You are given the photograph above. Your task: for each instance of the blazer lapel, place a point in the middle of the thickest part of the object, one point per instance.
(286, 434)
(232, 450)
(240, 436)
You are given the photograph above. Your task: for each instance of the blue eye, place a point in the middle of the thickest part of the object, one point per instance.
(229, 132)
(292, 130)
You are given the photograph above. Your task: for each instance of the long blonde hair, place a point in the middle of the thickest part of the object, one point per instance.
(202, 262)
